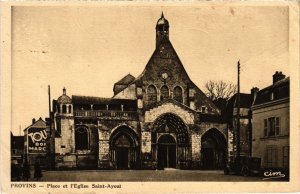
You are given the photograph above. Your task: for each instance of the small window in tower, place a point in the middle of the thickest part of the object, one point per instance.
(70, 108)
(203, 109)
(64, 109)
(272, 96)
(58, 108)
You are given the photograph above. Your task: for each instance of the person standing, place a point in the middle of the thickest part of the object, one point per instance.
(26, 171)
(37, 170)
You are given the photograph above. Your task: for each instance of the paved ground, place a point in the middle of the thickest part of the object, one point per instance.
(143, 175)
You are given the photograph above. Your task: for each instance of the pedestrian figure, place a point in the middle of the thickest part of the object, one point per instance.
(15, 170)
(26, 171)
(37, 171)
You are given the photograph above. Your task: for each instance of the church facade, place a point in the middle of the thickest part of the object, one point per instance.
(157, 120)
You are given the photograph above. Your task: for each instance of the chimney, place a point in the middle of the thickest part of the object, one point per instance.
(254, 92)
(278, 76)
(33, 120)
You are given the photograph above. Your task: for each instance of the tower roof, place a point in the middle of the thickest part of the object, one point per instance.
(162, 20)
(64, 99)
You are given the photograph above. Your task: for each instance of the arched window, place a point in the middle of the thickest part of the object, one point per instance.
(178, 94)
(64, 109)
(58, 108)
(81, 139)
(70, 108)
(151, 94)
(164, 92)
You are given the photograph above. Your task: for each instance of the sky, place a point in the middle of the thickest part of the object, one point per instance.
(88, 48)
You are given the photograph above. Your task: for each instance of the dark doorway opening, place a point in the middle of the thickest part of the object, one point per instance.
(213, 149)
(208, 158)
(166, 152)
(123, 149)
(122, 158)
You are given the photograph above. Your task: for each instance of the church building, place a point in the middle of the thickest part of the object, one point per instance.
(157, 120)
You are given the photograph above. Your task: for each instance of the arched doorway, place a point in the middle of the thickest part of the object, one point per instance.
(166, 154)
(123, 148)
(170, 142)
(213, 149)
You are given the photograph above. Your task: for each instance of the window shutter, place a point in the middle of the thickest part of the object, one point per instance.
(265, 127)
(276, 157)
(277, 125)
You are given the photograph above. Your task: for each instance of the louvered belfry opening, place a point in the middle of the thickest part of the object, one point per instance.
(170, 141)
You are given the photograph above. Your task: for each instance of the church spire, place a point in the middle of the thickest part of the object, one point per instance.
(162, 29)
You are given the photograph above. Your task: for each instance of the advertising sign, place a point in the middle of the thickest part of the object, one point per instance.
(36, 140)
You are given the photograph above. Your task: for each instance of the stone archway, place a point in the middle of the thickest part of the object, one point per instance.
(213, 150)
(170, 137)
(124, 148)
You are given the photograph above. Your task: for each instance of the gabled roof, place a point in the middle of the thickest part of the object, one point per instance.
(99, 100)
(126, 80)
(163, 41)
(280, 90)
(246, 101)
(123, 83)
(200, 96)
(40, 123)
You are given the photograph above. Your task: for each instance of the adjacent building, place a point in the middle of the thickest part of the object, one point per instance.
(271, 113)
(230, 115)
(17, 148)
(36, 142)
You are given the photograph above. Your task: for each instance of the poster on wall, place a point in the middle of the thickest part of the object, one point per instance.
(37, 139)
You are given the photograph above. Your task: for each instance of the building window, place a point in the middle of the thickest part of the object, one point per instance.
(70, 108)
(81, 139)
(272, 126)
(178, 94)
(151, 94)
(271, 157)
(58, 108)
(286, 156)
(64, 109)
(272, 96)
(191, 92)
(203, 109)
(164, 92)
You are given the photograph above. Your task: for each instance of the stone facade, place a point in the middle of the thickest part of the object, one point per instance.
(160, 119)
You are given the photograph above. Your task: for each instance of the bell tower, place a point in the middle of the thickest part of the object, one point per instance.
(162, 29)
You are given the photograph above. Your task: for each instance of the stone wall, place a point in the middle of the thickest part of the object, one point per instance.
(196, 146)
(153, 114)
(66, 142)
(128, 93)
(105, 130)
